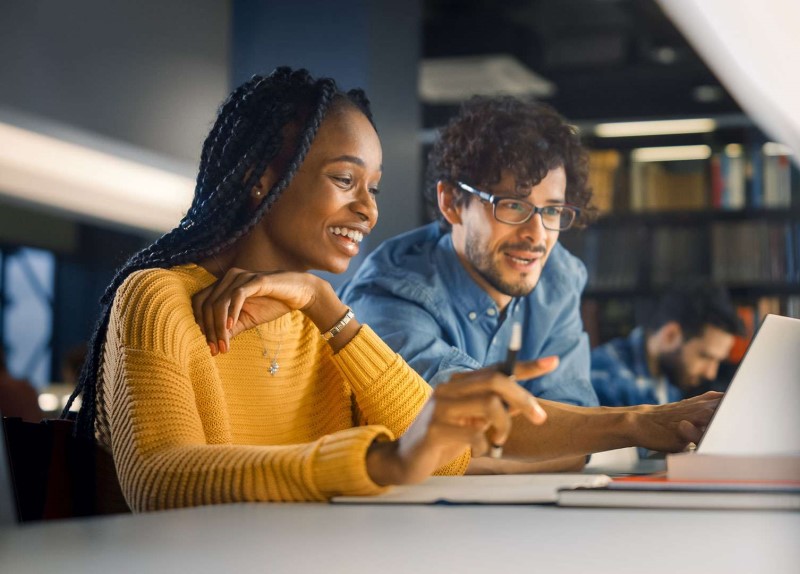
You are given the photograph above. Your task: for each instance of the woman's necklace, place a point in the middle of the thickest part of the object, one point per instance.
(274, 366)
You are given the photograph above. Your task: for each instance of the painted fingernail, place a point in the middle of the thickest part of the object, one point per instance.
(229, 324)
(223, 348)
(213, 348)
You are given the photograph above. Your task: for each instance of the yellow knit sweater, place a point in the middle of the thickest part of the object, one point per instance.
(186, 428)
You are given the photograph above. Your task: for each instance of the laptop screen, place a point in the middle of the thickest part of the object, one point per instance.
(759, 413)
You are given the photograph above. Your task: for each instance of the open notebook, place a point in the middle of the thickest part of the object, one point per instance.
(494, 489)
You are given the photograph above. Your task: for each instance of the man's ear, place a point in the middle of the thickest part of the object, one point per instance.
(445, 194)
(670, 336)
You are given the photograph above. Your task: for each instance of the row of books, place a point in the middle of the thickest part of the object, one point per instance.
(669, 186)
(752, 314)
(677, 253)
(740, 253)
(755, 251)
(731, 179)
(601, 249)
(755, 179)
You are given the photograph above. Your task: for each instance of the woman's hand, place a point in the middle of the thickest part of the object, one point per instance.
(472, 410)
(242, 300)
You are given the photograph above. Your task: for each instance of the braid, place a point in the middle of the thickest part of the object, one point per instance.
(247, 136)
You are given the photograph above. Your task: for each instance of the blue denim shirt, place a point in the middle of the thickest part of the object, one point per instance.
(415, 293)
(621, 376)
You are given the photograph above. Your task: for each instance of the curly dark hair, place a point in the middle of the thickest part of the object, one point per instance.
(492, 134)
(268, 120)
(695, 304)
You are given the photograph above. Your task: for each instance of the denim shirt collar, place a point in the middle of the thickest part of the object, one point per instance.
(469, 297)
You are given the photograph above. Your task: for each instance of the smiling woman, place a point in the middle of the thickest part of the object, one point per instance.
(222, 371)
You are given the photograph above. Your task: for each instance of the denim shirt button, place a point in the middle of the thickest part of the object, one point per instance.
(491, 311)
(472, 315)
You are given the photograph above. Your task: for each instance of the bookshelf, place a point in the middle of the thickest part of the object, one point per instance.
(730, 214)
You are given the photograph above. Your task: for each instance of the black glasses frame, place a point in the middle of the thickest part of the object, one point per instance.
(494, 200)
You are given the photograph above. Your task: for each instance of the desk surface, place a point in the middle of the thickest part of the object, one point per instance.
(340, 538)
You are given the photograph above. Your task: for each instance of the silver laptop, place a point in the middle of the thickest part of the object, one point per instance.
(760, 413)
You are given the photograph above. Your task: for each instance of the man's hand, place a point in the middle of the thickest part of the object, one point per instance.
(575, 431)
(671, 427)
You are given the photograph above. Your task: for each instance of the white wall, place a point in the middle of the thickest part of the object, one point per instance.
(150, 73)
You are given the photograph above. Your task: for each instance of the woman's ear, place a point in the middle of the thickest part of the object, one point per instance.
(445, 194)
(263, 185)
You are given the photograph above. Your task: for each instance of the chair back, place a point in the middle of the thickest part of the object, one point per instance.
(58, 475)
(8, 507)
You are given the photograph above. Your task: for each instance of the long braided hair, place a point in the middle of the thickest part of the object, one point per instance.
(246, 138)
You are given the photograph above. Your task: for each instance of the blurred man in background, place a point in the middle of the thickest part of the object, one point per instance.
(679, 348)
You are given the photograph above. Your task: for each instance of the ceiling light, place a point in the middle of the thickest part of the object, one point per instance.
(707, 94)
(453, 80)
(665, 55)
(655, 128)
(93, 184)
(734, 150)
(671, 153)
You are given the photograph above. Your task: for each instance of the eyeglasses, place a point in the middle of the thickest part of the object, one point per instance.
(518, 211)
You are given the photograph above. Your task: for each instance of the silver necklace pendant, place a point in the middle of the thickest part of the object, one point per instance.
(274, 367)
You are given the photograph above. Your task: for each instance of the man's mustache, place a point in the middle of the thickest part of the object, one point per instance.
(524, 247)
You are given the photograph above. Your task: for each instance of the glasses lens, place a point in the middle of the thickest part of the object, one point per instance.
(554, 217)
(512, 211)
(558, 217)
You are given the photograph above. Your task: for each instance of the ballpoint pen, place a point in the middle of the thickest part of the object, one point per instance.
(507, 368)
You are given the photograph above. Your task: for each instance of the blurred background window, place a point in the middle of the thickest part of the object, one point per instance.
(27, 312)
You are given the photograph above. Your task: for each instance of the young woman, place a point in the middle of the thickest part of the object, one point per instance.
(222, 371)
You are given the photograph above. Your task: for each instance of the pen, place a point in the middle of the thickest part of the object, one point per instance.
(507, 368)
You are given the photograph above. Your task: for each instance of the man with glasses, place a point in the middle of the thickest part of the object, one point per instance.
(506, 177)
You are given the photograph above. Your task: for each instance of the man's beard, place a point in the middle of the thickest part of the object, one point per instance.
(484, 264)
(671, 365)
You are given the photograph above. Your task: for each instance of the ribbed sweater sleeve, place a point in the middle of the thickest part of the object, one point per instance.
(162, 408)
(388, 392)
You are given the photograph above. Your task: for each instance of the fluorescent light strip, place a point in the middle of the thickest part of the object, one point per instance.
(671, 153)
(74, 178)
(655, 128)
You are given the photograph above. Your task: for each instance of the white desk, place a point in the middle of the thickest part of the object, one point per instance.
(279, 538)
